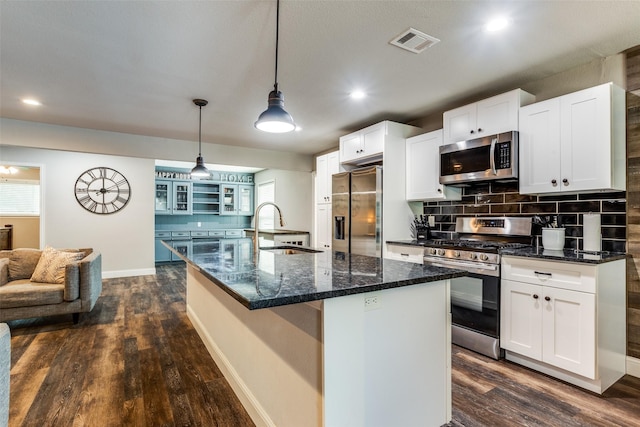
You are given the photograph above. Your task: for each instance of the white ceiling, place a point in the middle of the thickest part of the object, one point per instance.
(135, 66)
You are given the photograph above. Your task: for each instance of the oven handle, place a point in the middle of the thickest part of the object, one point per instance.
(494, 141)
(476, 266)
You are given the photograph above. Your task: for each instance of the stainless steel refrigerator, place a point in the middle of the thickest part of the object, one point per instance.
(357, 211)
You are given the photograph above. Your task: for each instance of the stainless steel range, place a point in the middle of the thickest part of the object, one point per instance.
(475, 298)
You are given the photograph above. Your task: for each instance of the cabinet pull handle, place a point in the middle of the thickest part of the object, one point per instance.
(542, 273)
(479, 129)
(401, 254)
(535, 296)
(554, 182)
(565, 181)
(547, 298)
(439, 190)
(472, 131)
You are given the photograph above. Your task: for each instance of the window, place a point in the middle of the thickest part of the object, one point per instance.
(19, 197)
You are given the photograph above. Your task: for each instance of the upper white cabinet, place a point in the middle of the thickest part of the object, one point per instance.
(565, 319)
(574, 142)
(368, 145)
(326, 166)
(423, 169)
(487, 117)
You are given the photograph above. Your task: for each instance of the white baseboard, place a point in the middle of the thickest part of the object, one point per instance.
(128, 273)
(248, 400)
(633, 366)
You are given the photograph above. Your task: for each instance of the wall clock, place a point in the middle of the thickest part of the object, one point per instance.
(102, 190)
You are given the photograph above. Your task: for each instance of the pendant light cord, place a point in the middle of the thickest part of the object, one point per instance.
(275, 85)
(200, 134)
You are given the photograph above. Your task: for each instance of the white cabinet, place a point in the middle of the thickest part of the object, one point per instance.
(406, 253)
(565, 319)
(423, 169)
(368, 145)
(323, 226)
(487, 117)
(365, 143)
(173, 197)
(574, 142)
(326, 166)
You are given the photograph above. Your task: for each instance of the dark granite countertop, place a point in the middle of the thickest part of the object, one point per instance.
(271, 231)
(566, 255)
(276, 279)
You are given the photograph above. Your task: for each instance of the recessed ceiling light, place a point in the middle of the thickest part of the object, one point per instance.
(358, 94)
(31, 101)
(497, 24)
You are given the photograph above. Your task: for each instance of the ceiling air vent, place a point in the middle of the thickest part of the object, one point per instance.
(413, 40)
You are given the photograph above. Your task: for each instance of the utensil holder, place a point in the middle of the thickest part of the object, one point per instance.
(553, 238)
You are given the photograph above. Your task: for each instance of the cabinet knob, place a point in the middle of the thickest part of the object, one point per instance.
(479, 129)
(535, 296)
(439, 190)
(554, 182)
(565, 181)
(472, 131)
(547, 298)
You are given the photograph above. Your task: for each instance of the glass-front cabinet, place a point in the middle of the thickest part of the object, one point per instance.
(163, 197)
(182, 204)
(173, 197)
(245, 200)
(237, 199)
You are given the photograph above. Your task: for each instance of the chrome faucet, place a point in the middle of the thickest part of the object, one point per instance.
(256, 217)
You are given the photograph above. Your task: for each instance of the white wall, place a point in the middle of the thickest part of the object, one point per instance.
(293, 196)
(41, 135)
(125, 239)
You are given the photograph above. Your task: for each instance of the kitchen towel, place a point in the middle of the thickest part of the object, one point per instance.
(591, 232)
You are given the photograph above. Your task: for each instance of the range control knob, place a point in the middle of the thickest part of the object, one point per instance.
(440, 252)
(484, 257)
(431, 251)
(456, 254)
(473, 256)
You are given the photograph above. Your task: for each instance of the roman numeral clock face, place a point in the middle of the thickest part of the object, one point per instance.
(102, 190)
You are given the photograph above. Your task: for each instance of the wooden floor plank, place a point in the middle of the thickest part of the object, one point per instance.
(136, 360)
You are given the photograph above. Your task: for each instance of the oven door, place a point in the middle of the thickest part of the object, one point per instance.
(475, 298)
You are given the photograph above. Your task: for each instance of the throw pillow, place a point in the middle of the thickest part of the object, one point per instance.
(22, 262)
(52, 264)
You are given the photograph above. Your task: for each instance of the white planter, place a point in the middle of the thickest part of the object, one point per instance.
(553, 238)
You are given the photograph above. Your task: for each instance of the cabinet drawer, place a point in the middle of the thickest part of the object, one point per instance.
(233, 233)
(163, 234)
(564, 275)
(406, 253)
(180, 234)
(199, 234)
(216, 234)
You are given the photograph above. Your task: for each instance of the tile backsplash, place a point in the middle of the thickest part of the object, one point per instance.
(503, 199)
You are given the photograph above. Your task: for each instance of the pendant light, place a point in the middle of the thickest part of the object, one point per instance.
(200, 169)
(275, 119)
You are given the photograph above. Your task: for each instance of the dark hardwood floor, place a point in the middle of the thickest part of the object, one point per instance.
(135, 360)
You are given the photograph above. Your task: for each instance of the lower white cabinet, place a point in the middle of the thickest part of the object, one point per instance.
(323, 238)
(407, 253)
(565, 319)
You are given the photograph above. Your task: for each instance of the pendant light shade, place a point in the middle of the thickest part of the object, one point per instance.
(275, 119)
(200, 170)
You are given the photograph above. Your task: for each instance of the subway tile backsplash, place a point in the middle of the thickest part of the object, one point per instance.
(503, 199)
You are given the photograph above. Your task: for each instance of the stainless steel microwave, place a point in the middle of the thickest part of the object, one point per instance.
(482, 159)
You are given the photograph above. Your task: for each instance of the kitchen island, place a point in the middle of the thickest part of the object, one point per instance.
(325, 339)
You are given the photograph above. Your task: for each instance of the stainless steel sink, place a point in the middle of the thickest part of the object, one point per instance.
(289, 250)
